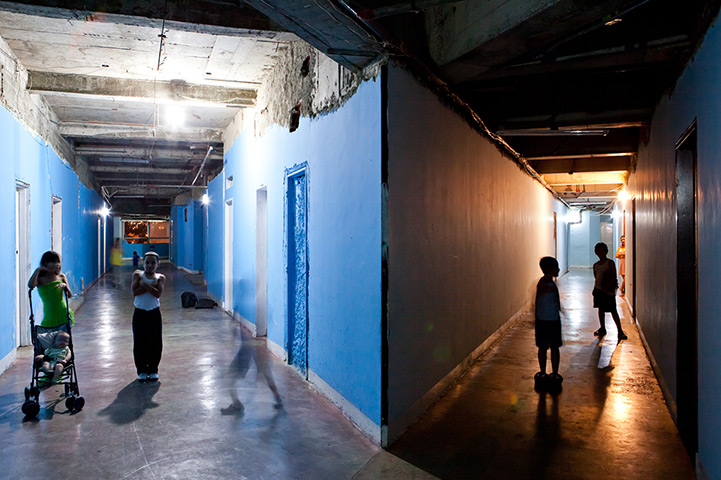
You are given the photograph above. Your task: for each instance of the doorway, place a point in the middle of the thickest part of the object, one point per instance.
(228, 257)
(261, 263)
(298, 271)
(101, 270)
(57, 228)
(687, 292)
(632, 257)
(22, 264)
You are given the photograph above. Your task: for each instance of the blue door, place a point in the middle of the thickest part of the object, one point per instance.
(297, 273)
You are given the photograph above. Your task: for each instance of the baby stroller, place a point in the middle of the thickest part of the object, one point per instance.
(43, 338)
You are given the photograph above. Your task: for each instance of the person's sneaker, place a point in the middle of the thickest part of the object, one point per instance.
(143, 377)
(153, 377)
(601, 332)
(233, 409)
(622, 336)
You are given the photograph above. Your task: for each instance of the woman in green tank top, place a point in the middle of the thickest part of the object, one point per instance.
(51, 283)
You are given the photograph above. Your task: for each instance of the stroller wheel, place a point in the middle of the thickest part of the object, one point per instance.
(31, 409)
(79, 404)
(70, 403)
(27, 394)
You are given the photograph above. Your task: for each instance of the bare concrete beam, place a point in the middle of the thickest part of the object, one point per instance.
(150, 190)
(610, 164)
(149, 151)
(327, 26)
(150, 170)
(211, 13)
(46, 83)
(454, 30)
(586, 178)
(145, 132)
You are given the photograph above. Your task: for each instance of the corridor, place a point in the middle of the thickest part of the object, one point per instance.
(610, 421)
(174, 428)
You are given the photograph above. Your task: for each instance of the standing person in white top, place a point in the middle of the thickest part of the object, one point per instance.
(147, 323)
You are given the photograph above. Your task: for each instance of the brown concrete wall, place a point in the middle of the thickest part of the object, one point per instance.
(466, 231)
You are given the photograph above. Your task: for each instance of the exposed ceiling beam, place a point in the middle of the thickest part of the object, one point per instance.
(234, 16)
(144, 132)
(149, 191)
(588, 178)
(587, 155)
(46, 83)
(149, 152)
(151, 170)
(593, 61)
(328, 26)
(611, 164)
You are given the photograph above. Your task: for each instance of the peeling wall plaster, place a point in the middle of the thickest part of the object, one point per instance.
(325, 88)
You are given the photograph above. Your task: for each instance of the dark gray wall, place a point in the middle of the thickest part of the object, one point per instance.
(697, 95)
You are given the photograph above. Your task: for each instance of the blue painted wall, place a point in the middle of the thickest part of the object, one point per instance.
(343, 151)
(163, 249)
(214, 237)
(582, 238)
(188, 235)
(29, 159)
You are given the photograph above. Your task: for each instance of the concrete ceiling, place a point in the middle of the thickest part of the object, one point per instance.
(569, 84)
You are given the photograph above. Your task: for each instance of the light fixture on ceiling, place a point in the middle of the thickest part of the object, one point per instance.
(205, 199)
(175, 115)
(105, 211)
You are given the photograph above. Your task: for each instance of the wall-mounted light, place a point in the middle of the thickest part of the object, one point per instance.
(205, 199)
(574, 215)
(105, 211)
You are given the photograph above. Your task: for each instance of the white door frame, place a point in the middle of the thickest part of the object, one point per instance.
(57, 222)
(22, 263)
(228, 257)
(261, 263)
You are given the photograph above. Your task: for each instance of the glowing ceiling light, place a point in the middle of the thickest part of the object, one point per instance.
(623, 195)
(105, 211)
(205, 199)
(175, 116)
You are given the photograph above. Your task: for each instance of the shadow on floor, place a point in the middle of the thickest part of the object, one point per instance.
(131, 402)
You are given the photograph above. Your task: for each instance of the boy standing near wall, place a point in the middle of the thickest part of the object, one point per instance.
(548, 321)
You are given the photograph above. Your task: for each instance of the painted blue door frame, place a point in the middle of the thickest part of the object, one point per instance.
(298, 271)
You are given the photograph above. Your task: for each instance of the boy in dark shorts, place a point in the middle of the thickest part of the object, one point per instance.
(604, 290)
(548, 320)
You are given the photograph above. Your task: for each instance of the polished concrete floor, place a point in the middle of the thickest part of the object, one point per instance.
(610, 421)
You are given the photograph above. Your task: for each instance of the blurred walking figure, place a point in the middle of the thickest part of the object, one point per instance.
(116, 262)
(621, 255)
(238, 369)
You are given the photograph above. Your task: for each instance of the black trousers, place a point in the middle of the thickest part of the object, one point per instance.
(147, 340)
